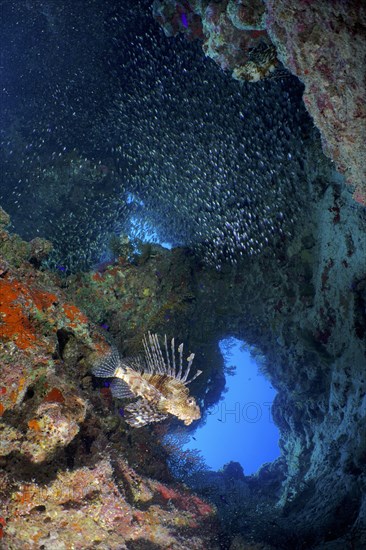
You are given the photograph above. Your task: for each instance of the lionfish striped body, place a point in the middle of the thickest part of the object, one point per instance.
(159, 384)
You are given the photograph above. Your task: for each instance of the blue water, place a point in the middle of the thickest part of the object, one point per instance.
(240, 427)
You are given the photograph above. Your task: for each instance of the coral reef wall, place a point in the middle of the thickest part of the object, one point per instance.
(73, 474)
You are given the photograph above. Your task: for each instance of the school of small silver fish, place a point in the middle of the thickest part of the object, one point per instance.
(157, 381)
(163, 138)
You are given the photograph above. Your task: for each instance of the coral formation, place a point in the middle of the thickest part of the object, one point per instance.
(86, 508)
(307, 317)
(233, 33)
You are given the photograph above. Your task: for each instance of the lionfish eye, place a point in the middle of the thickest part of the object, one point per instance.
(190, 401)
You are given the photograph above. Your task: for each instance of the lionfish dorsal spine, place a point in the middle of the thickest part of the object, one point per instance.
(156, 363)
(148, 356)
(193, 378)
(154, 357)
(180, 352)
(172, 348)
(190, 361)
(159, 356)
(169, 367)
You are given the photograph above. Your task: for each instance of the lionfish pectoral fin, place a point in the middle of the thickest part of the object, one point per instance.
(108, 365)
(142, 413)
(120, 389)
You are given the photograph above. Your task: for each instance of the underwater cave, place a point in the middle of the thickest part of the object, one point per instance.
(182, 192)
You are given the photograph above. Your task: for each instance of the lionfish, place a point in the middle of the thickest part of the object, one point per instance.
(159, 384)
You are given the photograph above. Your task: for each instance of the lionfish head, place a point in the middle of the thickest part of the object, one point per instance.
(188, 410)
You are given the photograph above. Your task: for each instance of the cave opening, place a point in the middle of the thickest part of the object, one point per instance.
(240, 426)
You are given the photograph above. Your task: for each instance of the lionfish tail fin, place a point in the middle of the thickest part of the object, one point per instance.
(107, 366)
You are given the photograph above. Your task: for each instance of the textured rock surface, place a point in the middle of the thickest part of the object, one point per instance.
(87, 508)
(324, 44)
(233, 33)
